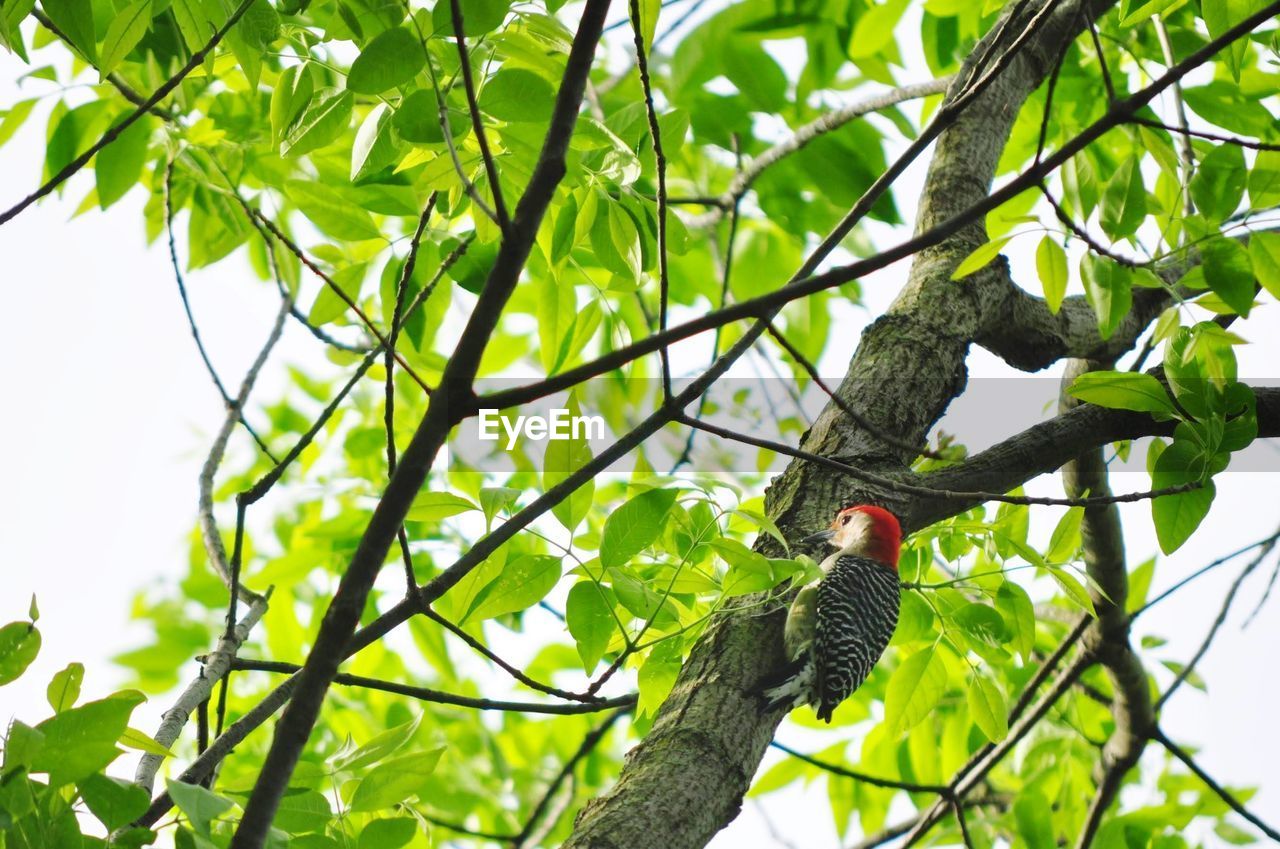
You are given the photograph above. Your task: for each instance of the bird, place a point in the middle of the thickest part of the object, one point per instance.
(839, 625)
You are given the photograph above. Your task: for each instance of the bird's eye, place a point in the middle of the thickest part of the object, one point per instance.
(844, 520)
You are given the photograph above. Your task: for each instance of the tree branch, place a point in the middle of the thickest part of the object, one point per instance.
(216, 664)
(1232, 802)
(426, 694)
(1108, 640)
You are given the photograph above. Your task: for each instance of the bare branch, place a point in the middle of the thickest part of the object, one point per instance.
(875, 781)
(343, 296)
(1232, 802)
(216, 664)
(1218, 621)
(588, 745)
(826, 123)
(426, 694)
(477, 123)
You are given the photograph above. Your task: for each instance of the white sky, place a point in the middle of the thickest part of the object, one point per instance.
(109, 414)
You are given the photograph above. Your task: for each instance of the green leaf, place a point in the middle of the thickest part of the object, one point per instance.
(64, 689)
(119, 165)
(1065, 540)
(1124, 201)
(1218, 185)
(123, 34)
(1073, 589)
(1177, 516)
(1229, 273)
(132, 738)
(378, 747)
(988, 709)
(495, 499)
(301, 811)
(114, 801)
(756, 75)
(331, 212)
(915, 689)
(1107, 286)
(82, 740)
(979, 258)
(649, 11)
(657, 676)
(1220, 16)
(323, 121)
(1140, 585)
(199, 805)
(19, 644)
(523, 583)
(289, 99)
(375, 147)
(516, 95)
(395, 781)
(1121, 390)
(390, 833)
(1051, 265)
(75, 18)
(615, 240)
(1019, 617)
(634, 526)
(1264, 251)
(393, 58)
(1031, 811)
(874, 30)
(417, 120)
(433, 506)
(192, 17)
(589, 617)
(15, 117)
(561, 459)
(328, 305)
(642, 601)
(1264, 180)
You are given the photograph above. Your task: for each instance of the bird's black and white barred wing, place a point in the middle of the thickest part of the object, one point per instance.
(857, 612)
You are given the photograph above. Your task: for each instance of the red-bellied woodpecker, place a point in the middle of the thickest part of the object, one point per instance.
(840, 624)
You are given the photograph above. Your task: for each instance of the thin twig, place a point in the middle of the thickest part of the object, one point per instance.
(1232, 802)
(899, 486)
(515, 673)
(588, 745)
(1187, 152)
(826, 123)
(1083, 235)
(228, 402)
(477, 123)
(875, 781)
(660, 160)
(859, 419)
(427, 694)
(1218, 622)
(1204, 134)
(342, 296)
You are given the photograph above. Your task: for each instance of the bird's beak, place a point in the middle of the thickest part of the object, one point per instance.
(820, 536)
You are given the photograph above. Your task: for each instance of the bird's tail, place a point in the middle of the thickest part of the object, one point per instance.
(790, 688)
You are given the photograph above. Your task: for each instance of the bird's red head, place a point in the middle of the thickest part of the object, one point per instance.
(868, 530)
